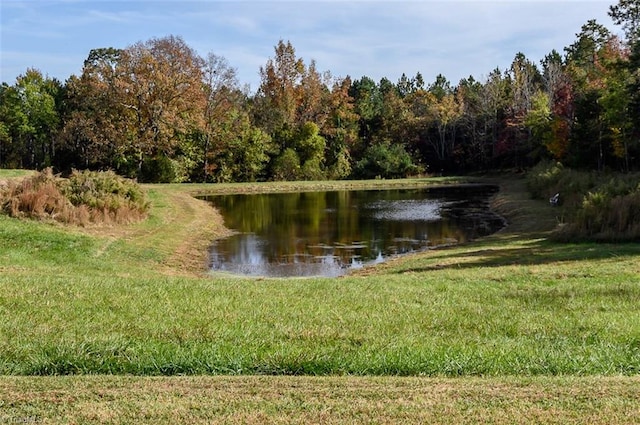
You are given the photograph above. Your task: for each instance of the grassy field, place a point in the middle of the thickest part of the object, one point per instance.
(509, 329)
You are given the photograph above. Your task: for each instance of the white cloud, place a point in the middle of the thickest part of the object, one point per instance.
(359, 37)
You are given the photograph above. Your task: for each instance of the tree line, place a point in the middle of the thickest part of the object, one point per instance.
(159, 112)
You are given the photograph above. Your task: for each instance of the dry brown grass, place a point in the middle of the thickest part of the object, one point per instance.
(315, 400)
(36, 197)
(606, 218)
(47, 197)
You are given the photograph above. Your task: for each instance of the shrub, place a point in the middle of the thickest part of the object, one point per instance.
(37, 197)
(287, 166)
(107, 196)
(597, 206)
(85, 197)
(548, 178)
(312, 170)
(385, 160)
(605, 216)
(159, 169)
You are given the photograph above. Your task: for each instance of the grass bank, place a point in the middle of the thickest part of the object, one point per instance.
(545, 320)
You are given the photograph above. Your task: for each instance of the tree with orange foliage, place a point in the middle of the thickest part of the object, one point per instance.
(139, 102)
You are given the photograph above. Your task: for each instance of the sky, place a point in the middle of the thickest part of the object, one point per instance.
(353, 38)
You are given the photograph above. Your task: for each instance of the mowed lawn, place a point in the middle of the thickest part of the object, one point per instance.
(509, 329)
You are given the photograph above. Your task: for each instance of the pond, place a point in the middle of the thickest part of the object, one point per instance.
(330, 233)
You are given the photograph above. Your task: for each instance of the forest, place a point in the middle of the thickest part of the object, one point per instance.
(157, 111)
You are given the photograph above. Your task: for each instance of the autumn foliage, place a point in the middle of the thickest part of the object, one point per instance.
(159, 112)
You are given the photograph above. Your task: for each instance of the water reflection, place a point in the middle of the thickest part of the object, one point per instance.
(328, 233)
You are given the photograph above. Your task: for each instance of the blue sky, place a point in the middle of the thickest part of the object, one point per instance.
(357, 38)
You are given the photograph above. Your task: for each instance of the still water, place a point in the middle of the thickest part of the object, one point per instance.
(329, 233)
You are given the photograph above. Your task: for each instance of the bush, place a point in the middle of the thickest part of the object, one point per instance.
(606, 216)
(159, 169)
(385, 160)
(106, 195)
(597, 206)
(287, 166)
(85, 197)
(542, 178)
(548, 178)
(312, 170)
(37, 197)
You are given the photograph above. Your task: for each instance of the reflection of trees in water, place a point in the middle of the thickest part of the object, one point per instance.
(337, 229)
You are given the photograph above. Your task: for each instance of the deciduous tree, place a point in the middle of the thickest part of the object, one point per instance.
(341, 130)
(160, 82)
(94, 133)
(30, 120)
(277, 98)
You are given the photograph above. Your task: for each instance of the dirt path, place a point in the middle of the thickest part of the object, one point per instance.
(523, 214)
(180, 227)
(196, 224)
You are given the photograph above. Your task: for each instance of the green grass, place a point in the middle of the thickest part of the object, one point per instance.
(13, 173)
(510, 312)
(477, 318)
(508, 305)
